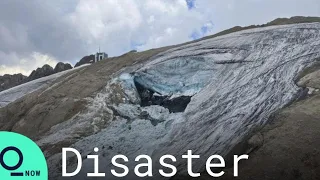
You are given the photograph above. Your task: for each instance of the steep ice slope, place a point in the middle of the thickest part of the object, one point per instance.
(237, 81)
(17, 92)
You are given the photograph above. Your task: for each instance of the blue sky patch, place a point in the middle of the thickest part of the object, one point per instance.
(195, 35)
(191, 4)
(203, 31)
(135, 45)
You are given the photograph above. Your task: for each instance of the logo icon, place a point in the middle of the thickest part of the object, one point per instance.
(21, 158)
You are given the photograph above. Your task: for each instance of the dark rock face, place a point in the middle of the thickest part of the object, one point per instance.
(62, 67)
(149, 97)
(178, 104)
(9, 81)
(46, 70)
(85, 60)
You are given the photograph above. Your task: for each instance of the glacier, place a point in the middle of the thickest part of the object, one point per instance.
(236, 82)
(12, 94)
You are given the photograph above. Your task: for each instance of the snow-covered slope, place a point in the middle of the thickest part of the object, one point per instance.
(236, 82)
(17, 92)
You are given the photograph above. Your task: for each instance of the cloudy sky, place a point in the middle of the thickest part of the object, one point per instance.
(37, 32)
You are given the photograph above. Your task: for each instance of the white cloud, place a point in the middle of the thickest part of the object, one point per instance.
(67, 31)
(117, 25)
(98, 21)
(12, 70)
(25, 65)
(151, 19)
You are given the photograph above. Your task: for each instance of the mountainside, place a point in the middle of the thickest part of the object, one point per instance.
(85, 60)
(62, 67)
(8, 81)
(10, 95)
(235, 83)
(45, 70)
(279, 21)
(209, 96)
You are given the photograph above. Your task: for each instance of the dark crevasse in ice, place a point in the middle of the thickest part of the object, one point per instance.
(149, 97)
(171, 84)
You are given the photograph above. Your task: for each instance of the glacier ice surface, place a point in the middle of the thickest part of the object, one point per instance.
(237, 81)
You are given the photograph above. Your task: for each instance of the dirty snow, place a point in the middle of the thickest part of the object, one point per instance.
(237, 82)
(17, 92)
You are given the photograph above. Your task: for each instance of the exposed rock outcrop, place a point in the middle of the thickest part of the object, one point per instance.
(45, 70)
(62, 67)
(8, 81)
(85, 60)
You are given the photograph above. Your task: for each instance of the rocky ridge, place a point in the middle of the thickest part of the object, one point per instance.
(85, 60)
(8, 81)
